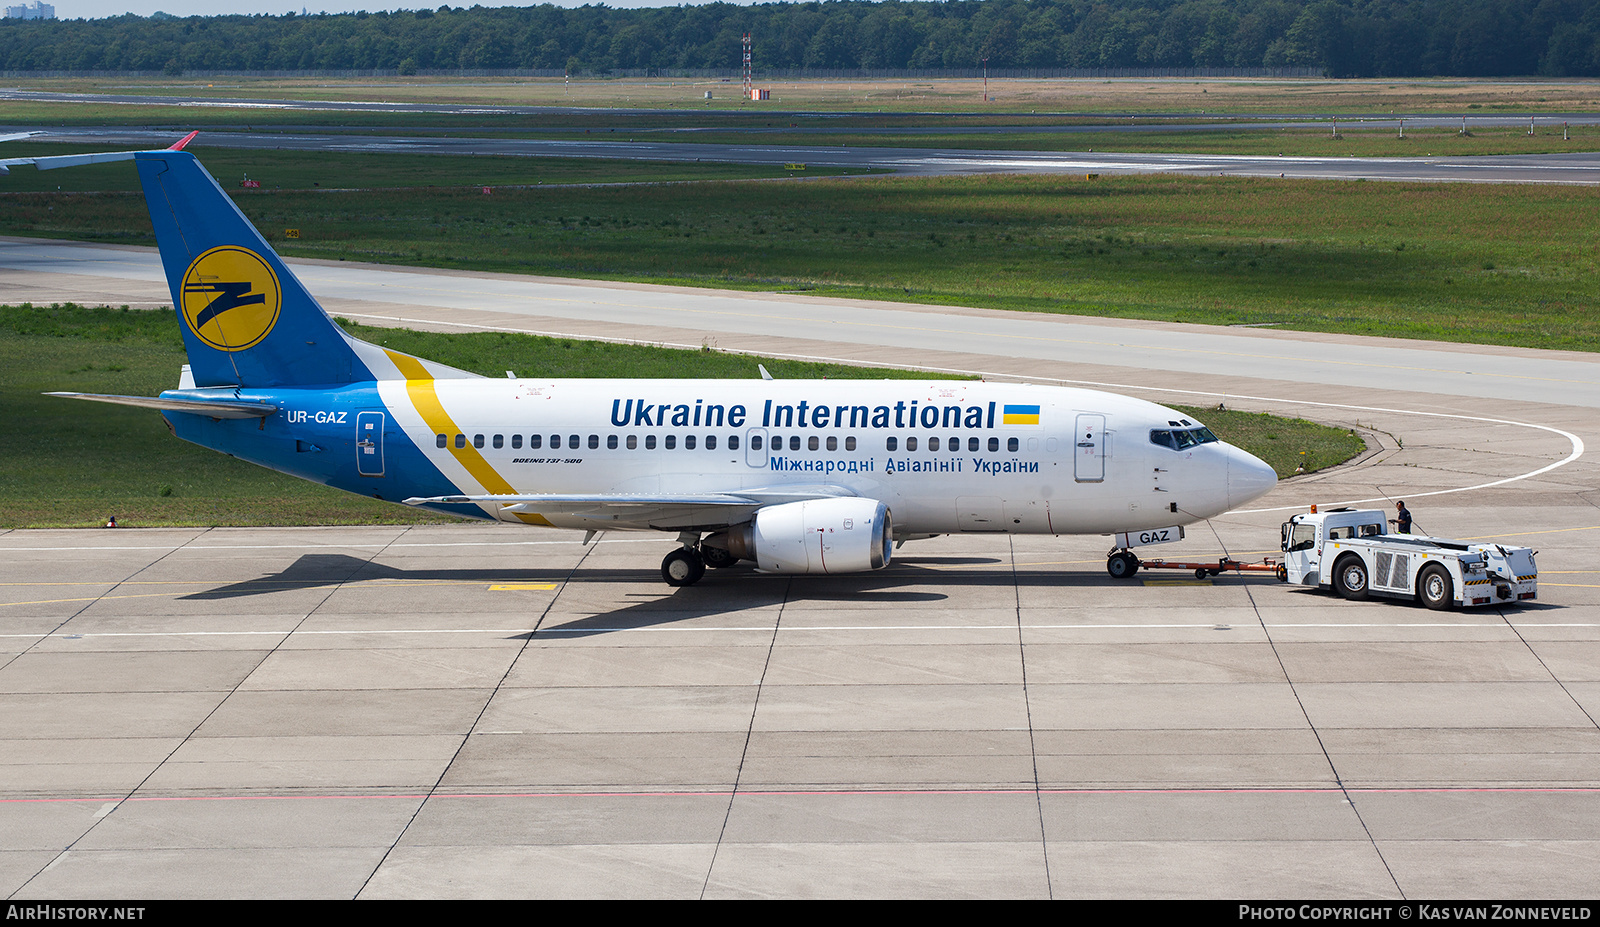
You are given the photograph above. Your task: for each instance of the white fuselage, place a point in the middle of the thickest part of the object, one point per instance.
(945, 456)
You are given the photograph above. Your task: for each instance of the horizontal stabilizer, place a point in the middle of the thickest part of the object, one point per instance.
(216, 408)
(51, 162)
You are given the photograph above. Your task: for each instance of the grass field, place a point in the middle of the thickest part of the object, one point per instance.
(1320, 141)
(1471, 263)
(997, 130)
(939, 95)
(74, 464)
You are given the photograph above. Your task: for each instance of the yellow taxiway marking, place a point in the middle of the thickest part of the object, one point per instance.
(1518, 534)
(512, 587)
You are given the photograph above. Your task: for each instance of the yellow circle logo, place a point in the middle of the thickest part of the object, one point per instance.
(231, 298)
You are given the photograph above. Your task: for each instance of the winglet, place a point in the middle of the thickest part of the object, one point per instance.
(178, 145)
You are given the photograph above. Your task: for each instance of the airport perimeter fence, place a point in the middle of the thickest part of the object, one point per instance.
(713, 74)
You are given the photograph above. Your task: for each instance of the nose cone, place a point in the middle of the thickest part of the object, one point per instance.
(1249, 477)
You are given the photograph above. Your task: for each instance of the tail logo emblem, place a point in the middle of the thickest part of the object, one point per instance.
(231, 298)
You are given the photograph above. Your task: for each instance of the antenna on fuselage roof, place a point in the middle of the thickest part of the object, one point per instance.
(764, 374)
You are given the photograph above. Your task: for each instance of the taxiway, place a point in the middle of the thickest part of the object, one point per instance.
(483, 711)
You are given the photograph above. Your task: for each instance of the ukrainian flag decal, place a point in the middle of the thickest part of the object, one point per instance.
(1020, 415)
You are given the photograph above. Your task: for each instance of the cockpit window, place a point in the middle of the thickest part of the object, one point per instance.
(1180, 438)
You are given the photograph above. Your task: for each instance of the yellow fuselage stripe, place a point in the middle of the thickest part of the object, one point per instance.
(420, 389)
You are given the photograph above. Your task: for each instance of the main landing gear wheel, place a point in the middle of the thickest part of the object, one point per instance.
(1122, 565)
(683, 567)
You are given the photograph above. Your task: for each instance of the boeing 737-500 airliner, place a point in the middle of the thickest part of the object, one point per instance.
(798, 476)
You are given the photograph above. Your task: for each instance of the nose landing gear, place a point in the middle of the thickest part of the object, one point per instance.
(1122, 564)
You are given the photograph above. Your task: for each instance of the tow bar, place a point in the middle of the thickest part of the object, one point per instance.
(1218, 567)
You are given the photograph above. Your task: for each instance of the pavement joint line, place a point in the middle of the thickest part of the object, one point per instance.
(749, 733)
(865, 629)
(1311, 725)
(1027, 707)
(834, 792)
(527, 640)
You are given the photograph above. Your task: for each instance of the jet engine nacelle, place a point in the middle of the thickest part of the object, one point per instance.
(842, 535)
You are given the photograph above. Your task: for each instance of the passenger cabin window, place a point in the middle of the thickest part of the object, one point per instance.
(649, 442)
(850, 443)
(811, 443)
(443, 440)
(711, 442)
(755, 443)
(611, 442)
(516, 441)
(911, 444)
(499, 441)
(892, 444)
(477, 441)
(672, 442)
(461, 440)
(688, 442)
(733, 442)
(594, 442)
(535, 441)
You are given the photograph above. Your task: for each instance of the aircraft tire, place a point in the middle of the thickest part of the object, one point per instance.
(1350, 578)
(1435, 589)
(1122, 565)
(683, 567)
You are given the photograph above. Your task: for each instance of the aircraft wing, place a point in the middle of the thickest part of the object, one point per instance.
(18, 135)
(657, 511)
(226, 407)
(51, 162)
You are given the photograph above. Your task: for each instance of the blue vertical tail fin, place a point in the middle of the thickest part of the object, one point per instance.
(247, 321)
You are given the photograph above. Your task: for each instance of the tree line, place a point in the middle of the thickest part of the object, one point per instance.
(1342, 38)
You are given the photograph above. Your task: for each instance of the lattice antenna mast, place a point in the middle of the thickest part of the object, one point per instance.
(748, 82)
